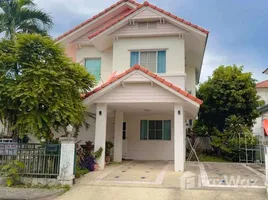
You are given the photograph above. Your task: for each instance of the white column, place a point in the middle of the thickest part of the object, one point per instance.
(118, 137)
(266, 167)
(67, 161)
(100, 132)
(179, 138)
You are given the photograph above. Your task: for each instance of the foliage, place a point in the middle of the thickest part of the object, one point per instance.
(209, 158)
(11, 171)
(40, 87)
(22, 16)
(79, 171)
(235, 136)
(86, 157)
(108, 147)
(228, 92)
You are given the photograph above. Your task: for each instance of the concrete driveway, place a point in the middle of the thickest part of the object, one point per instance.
(157, 180)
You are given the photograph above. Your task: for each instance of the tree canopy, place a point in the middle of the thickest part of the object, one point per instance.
(22, 16)
(228, 92)
(40, 87)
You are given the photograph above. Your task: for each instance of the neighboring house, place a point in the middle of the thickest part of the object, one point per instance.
(147, 62)
(261, 122)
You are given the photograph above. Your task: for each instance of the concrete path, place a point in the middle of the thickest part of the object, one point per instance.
(89, 192)
(141, 180)
(7, 193)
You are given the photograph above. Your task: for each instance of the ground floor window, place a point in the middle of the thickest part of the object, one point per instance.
(155, 130)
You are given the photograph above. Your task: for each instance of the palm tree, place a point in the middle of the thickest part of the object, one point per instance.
(22, 16)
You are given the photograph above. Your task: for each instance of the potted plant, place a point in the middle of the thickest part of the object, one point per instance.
(97, 155)
(108, 147)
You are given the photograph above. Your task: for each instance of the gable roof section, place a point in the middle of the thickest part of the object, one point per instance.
(146, 4)
(151, 74)
(263, 84)
(95, 17)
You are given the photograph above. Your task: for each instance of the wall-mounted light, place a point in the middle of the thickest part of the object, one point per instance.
(100, 113)
(179, 112)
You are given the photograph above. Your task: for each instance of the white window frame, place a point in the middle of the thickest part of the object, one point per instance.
(150, 50)
(162, 139)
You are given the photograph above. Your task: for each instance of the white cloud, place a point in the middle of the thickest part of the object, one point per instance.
(210, 63)
(212, 60)
(80, 7)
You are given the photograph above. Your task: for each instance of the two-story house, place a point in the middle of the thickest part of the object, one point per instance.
(147, 62)
(260, 127)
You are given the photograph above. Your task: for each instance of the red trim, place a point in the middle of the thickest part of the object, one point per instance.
(113, 78)
(95, 17)
(263, 84)
(146, 4)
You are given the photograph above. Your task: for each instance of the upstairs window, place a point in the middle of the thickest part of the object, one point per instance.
(93, 66)
(155, 61)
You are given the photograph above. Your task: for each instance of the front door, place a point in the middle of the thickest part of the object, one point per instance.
(124, 135)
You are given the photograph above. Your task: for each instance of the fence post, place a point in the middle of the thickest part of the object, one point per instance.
(67, 161)
(266, 167)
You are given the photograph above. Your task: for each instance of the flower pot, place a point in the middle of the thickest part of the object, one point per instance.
(96, 167)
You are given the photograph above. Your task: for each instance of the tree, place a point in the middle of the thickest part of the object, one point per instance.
(235, 137)
(228, 92)
(22, 16)
(40, 88)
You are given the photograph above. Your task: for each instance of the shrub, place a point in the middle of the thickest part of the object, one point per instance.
(12, 172)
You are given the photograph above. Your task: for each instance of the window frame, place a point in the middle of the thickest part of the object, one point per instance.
(147, 51)
(162, 130)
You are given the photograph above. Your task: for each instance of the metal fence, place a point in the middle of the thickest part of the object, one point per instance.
(40, 160)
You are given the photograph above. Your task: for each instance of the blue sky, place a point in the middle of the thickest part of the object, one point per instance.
(238, 28)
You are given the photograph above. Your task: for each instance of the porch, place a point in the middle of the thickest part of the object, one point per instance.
(142, 131)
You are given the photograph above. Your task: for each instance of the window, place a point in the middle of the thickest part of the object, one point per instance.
(155, 61)
(93, 66)
(155, 130)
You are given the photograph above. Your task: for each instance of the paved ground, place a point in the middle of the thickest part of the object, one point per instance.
(89, 192)
(28, 193)
(232, 174)
(157, 180)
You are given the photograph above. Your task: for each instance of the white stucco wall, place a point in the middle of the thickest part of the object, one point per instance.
(91, 52)
(136, 148)
(257, 128)
(175, 54)
(263, 93)
(147, 149)
(190, 79)
(89, 134)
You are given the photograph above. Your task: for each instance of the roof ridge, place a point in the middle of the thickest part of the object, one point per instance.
(95, 17)
(149, 73)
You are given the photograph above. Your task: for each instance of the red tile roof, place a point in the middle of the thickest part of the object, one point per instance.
(263, 84)
(113, 78)
(95, 17)
(146, 4)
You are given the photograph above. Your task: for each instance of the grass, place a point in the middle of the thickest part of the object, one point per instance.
(206, 158)
(40, 186)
